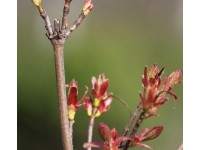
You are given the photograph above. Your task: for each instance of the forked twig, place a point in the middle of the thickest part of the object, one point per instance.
(57, 36)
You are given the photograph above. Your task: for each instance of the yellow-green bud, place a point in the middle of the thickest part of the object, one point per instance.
(36, 2)
(96, 102)
(98, 113)
(71, 113)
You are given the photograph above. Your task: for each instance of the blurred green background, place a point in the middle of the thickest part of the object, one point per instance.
(118, 38)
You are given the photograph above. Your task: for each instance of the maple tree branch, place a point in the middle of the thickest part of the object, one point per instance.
(66, 10)
(47, 21)
(57, 36)
(75, 25)
(131, 120)
(61, 93)
(135, 128)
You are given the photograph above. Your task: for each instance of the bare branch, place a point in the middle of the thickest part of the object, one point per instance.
(61, 91)
(66, 10)
(57, 36)
(75, 25)
(44, 15)
(47, 21)
(135, 128)
(130, 122)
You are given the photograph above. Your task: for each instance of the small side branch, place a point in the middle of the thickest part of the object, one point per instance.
(131, 120)
(135, 128)
(66, 10)
(47, 23)
(44, 15)
(75, 25)
(87, 7)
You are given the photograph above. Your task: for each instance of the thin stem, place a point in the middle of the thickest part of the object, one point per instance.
(75, 25)
(66, 10)
(137, 125)
(71, 123)
(48, 26)
(131, 120)
(91, 126)
(62, 99)
(122, 101)
(135, 128)
(90, 130)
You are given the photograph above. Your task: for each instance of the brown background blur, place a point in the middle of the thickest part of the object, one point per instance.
(118, 38)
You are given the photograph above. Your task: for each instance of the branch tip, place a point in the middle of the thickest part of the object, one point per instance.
(87, 7)
(37, 2)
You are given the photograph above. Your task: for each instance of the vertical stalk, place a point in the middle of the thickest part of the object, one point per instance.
(58, 47)
(130, 122)
(91, 126)
(90, 130)
(135, 128)
(71, 123)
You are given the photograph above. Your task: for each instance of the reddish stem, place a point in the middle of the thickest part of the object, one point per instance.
(131, 120)
(135, 128)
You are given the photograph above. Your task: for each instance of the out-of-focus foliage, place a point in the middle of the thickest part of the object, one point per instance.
(117, 38)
